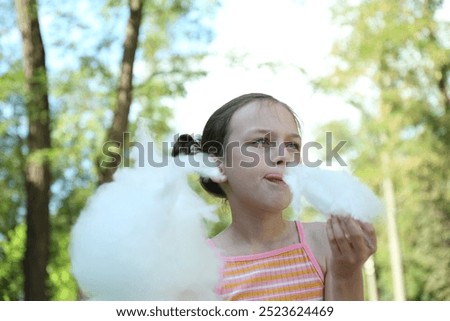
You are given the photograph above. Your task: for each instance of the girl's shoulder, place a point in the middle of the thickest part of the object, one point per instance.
(317, 226)
(315, 231)
(315, 234)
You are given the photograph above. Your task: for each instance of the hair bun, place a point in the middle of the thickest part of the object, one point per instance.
(186, 144)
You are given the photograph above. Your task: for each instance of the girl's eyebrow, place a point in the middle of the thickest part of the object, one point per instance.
(269, 132)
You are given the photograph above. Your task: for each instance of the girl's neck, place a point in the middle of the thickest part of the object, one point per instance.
(257, 227)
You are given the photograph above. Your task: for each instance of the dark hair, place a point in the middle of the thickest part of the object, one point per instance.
(216, 133)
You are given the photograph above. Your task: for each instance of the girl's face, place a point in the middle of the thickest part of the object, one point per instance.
(263, 140)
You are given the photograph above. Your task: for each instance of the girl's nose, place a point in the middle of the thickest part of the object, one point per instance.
(281, 155)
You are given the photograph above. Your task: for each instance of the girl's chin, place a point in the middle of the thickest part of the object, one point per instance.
(276, 204)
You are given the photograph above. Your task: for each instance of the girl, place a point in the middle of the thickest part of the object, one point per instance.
(253, 138)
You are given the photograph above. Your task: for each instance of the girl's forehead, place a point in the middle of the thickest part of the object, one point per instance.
(262, 115)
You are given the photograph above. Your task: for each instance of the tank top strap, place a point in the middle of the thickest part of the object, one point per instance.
(213, 247)
(301, 234)
(305, 246)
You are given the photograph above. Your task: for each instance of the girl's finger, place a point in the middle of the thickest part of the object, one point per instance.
(369, 234)
(343, 224)
(331, 238)
(342, 240)
(357, 235)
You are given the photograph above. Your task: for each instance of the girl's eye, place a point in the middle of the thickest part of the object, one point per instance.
(293, 145)
(261, 142)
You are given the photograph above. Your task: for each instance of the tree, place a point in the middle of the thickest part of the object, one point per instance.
(124, 93)
(169, 69)
(83, 81)
(37, 169)
(393, 67)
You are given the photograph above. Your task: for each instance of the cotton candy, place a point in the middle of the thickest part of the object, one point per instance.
(142, 236)
(332, 192)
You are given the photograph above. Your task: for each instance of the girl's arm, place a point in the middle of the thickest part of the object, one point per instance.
(351, 243)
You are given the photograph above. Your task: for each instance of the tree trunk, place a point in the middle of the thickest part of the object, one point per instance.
(124, 95)
(443, 86)
(37, 170)
(394, 242)
(371, 279)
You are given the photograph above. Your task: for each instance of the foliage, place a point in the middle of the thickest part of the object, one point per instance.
(83, 77)
(12, 198)
(393, 67)
(11, 256)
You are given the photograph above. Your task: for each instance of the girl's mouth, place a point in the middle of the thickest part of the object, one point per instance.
(275, 178)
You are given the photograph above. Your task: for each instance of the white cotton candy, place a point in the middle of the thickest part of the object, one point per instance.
(142, 237)
(332, 192)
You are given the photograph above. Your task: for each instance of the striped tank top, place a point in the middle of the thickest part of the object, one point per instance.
(290, 273)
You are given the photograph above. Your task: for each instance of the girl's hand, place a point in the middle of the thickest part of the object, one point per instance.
(351, 243)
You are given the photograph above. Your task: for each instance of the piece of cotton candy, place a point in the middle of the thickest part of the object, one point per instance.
(142, 236)
(332, 192)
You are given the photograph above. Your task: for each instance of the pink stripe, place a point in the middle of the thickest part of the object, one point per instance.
(274, 295)
(280, 295)
(290, 282)
(269, 271)
(284, 258)
(264, 298)
(262, 255)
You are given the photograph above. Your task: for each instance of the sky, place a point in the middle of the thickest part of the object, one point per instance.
(295, 35)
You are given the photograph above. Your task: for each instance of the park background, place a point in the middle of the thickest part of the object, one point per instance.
(75, 74)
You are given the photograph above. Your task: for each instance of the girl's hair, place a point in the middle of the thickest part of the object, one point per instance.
(216, 133)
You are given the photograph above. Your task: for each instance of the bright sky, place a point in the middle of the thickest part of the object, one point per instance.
(296, 34)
